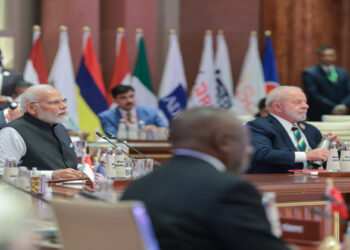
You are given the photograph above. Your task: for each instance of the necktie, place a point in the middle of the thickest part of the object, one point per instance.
(129, 117)
(332, 75)
(301, 142)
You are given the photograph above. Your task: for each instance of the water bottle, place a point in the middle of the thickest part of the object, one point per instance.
(333, 158)
(122, 130)
(119, 165)
(142, 131)
(133, 131)
(23, 178)
(325, 143)
(345, 158)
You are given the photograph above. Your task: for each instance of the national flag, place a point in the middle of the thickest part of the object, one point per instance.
(88, 120)
(35, 70)
(100, 173)
(336, 201)
(87, 168)
(223, 74)
(89, 77)
(121, 73)
(141, 79)
(269, 64)
(204, 89)
(173, 86)
(62, 78)
(251, 85)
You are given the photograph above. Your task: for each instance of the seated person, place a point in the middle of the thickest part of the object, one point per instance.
(12, 110)
(125, 98)
(9, 81)
(38, 139)
(197, 200)
(263, 112)
(282, 140)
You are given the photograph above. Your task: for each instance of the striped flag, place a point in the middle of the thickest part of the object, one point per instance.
(88, 168)
(223, 74)
(35, 70)
(173, 86)
(62, 78)
(203, 92)
(141, 79)
(89, 77)
(269, 64)
(121, 73)
(251, 86)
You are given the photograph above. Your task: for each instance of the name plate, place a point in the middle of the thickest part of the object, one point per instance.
(301, 230)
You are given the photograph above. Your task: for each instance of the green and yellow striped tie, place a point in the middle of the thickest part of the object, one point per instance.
(301, 142)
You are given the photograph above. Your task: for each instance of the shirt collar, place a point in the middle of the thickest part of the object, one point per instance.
(200, 155)
(285, 124)
(123, 112)
(328, 68)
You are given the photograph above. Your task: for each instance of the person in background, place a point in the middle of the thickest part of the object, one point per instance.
(197, 200)
(12, 110)
(38, 139)
(282, 140)
(263, 111)
(124, 96)
(327, 87)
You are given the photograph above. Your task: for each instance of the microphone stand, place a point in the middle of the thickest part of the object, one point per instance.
(112, 136)
(115, 145)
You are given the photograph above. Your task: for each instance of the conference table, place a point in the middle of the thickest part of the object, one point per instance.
(298, 195)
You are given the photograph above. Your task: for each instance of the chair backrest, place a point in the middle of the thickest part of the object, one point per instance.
(246, 118)
(98, 225)
(336, 118)
(340, 128)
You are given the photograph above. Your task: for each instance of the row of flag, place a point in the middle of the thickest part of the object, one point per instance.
(87, 95)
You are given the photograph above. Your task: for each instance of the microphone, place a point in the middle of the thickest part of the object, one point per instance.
(112, 136)
(115, 145)
(24, 191)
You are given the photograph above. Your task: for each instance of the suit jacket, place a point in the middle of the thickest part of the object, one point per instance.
(110, 118)
(274, 150)
(2, 119)
(324, 95)
(194, 206)
(9, 82)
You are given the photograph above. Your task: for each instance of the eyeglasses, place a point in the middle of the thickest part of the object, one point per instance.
(54, 102)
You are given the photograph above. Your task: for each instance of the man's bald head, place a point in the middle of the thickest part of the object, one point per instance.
(212, 131)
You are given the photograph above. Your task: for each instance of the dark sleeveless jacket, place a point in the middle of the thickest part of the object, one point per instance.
(49, 147)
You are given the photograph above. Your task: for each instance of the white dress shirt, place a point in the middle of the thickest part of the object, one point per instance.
(299, 155)
(12, 147)
(200, 155)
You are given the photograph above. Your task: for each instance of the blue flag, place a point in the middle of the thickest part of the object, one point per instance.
(270, 66)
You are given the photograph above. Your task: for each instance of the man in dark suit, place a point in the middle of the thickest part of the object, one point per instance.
(327, 87)
(197, 200)
(282, 141)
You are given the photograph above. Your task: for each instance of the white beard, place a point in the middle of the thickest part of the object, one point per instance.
(52, 119)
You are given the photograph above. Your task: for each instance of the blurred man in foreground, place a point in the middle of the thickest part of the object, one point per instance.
(38, 139)
(282, 140)
(197, 200)
(327, 87)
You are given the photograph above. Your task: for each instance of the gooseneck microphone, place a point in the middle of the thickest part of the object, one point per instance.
(112, 136)
(115, 145)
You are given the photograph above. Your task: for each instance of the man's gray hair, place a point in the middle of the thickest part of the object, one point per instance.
(279, 93)
(31, 95)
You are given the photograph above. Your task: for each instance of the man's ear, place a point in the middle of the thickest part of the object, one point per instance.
(221, 141)
(31, 109)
